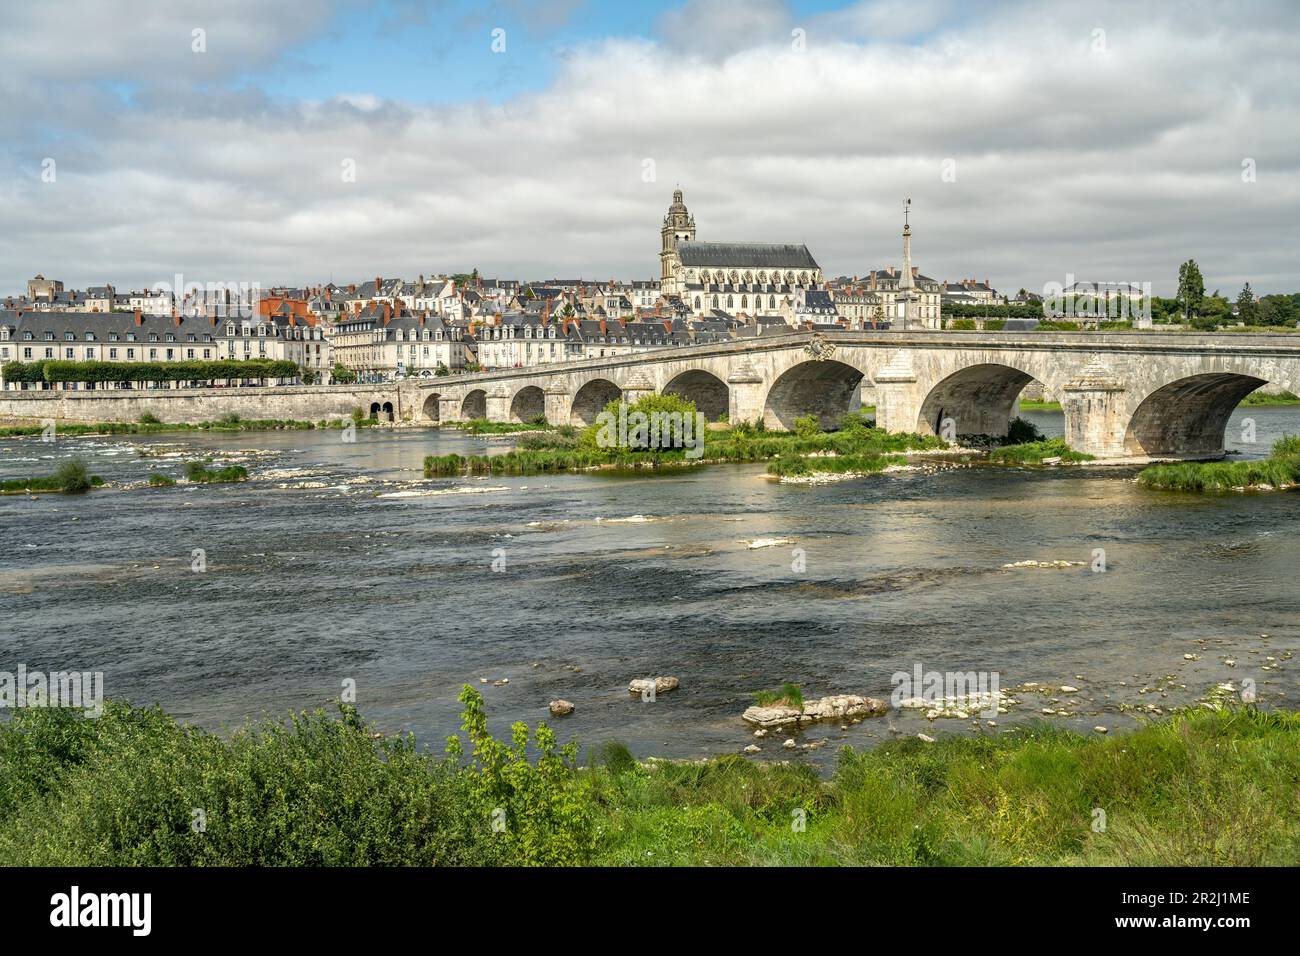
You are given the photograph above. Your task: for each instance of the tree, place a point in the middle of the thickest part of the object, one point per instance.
(1191, 288)
(1278, 310)
(1247, 309)
(343, 376)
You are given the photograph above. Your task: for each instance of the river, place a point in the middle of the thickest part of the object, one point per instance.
(340, 562)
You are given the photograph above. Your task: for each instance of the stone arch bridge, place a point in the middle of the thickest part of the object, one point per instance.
(1123, 394)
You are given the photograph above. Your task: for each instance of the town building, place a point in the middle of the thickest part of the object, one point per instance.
(756, 278)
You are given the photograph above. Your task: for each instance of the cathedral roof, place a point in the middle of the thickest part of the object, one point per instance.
(749, 255)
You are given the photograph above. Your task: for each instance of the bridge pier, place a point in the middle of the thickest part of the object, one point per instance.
(498, 405)
(449, 409)
(637, 387)
(559, 403)
(1095, 419)
(898, 402)
(745, 394)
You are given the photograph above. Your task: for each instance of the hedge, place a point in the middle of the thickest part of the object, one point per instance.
(188, 371)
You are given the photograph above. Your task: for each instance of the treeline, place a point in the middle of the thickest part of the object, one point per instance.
(55, 370)
(993, 311)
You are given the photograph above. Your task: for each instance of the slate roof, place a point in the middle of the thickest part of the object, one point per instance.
(756, 255)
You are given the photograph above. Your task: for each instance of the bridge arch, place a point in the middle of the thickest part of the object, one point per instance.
(706, 390)
(1186, 418)
(979, 399)
(591, 399)
(430, 408)
(827, 389)
(474, 405)
(529, 403)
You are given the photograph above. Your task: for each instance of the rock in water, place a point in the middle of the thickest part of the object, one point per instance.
(644, 685)
(836, 706)
(561, 708)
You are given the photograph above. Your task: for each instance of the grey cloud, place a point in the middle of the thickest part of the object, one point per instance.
(1117, 165)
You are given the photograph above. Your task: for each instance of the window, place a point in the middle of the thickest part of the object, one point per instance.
(27, 353)
(112, 353)
(130, 353)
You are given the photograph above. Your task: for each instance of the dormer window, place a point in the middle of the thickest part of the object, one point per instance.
(230, 329)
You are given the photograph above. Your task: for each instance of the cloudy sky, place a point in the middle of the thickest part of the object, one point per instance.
(297, 142)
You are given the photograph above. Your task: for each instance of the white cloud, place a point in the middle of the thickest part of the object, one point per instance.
(1109, 165)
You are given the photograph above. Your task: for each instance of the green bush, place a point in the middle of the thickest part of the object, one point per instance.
(149, 418)
(542, 810)
(1021, 431)
(807, 425)
(199, 473)
(72, 477)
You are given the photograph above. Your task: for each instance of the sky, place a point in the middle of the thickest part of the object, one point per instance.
(302, 142)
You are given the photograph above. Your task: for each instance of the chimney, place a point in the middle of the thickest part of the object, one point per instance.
(378, 283)
(139, 319)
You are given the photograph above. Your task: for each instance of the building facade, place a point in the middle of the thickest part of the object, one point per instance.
(754, 278)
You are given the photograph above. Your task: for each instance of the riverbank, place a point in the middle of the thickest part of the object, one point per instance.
(1202, 787)
(1278, 472)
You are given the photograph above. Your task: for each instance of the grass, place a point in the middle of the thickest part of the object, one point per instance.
(198, 473)
(789, 695)
(70, 478)
(482, 426)
(792, 466)
(855, 445)
(1031, 406)
(1033, 452)
(1281, 469)
(1200, 788)
(1278, 398)
(159, 480)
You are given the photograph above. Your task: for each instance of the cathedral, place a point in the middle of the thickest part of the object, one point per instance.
(757, 278)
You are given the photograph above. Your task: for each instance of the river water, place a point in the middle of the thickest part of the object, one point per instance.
(340, 562)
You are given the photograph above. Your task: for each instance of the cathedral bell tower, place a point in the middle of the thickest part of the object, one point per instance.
(679, 225)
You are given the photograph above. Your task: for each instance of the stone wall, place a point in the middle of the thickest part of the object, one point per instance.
(302, 403)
